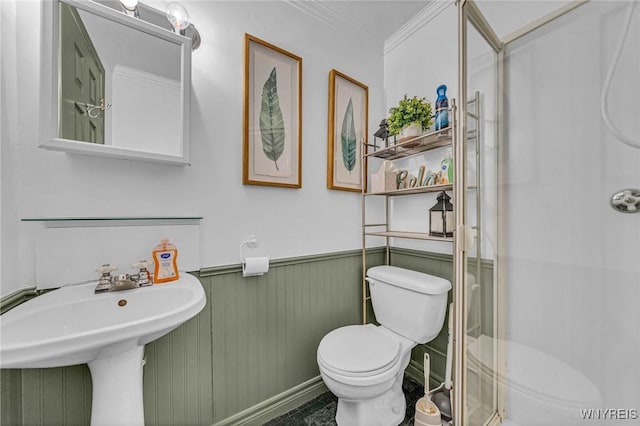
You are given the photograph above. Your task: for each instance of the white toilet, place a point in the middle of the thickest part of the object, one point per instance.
(363, 365)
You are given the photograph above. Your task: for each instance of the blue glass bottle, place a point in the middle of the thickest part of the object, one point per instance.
(442, 108)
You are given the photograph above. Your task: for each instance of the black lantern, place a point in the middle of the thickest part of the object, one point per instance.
(383, 134)
(441, 221)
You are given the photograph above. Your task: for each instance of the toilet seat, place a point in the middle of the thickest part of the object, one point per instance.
(358, 351)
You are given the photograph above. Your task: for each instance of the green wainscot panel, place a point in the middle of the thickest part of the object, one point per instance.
(249, 356)
(441, 265)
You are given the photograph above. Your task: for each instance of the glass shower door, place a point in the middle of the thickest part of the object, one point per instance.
(477, 340)
(562, 256)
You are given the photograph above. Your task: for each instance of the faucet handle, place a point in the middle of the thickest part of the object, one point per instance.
(143, 264)
(106, 269)
(143, 278)
(104, 283)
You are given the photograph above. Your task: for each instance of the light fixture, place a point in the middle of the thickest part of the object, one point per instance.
(178, 17)
(441, 217)
(180, 21)
(130, 8)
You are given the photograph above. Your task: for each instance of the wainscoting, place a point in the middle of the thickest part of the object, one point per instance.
(248, 357)
(441, 265)
(266, 329)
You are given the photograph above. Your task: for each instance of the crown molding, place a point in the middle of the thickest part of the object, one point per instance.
(326, 15)
(422, 18)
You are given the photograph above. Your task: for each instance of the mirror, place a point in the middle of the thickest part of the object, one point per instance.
(119, 85)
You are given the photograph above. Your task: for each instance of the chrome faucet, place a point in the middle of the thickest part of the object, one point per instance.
(108, 282)
(143, 278)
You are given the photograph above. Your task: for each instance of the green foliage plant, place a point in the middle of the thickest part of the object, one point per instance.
(409, 110)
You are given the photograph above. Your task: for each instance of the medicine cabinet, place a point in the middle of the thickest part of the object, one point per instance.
(113, 85)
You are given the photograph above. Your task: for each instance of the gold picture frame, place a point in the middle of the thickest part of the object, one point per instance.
(272, 145)
(348, 130)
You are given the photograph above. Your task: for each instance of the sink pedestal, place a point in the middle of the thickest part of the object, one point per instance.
(117, 389)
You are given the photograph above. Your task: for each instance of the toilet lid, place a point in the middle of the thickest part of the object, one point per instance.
(359, 349)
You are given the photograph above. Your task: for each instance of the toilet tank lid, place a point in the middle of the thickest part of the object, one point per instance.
(411, 280)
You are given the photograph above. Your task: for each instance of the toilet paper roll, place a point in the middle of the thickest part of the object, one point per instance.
(255, 266)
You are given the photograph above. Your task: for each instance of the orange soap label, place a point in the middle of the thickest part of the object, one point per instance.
(166, 268)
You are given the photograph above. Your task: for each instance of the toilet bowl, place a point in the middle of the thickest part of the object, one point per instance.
(363, 365)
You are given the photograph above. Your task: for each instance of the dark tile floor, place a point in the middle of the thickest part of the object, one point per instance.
(322, 410)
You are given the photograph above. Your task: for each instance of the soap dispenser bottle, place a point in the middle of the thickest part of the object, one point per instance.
(165, 257)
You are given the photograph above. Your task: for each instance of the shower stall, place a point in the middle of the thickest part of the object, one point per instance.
(554, 339)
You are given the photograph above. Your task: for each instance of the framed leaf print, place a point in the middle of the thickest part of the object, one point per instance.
(348, 127)
(272, 149)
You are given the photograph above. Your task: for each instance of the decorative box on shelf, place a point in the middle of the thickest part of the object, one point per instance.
(384, 181)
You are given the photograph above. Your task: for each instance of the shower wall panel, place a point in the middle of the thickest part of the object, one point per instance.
(573, 283)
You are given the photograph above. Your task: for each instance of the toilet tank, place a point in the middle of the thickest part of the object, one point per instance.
(410, 303)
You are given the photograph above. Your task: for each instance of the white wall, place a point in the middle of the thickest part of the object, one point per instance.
(425, 58)
(433, 49)
(15, 127)
(5, 13)
(287, 222)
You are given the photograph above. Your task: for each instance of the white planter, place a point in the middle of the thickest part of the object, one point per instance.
(411, 131)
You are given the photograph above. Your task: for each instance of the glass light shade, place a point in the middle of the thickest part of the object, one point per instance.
(178, 16)
(436, 222)
(129, 4)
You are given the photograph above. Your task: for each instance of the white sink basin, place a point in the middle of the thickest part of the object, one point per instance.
(108, 331)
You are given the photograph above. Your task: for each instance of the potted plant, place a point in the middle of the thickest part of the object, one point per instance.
(410, 117)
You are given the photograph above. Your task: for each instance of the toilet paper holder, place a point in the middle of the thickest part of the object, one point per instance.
(256, 265)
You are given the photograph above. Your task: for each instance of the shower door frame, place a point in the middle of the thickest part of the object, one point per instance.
(468, 12)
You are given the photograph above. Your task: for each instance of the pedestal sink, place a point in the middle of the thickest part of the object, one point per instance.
(107, 331)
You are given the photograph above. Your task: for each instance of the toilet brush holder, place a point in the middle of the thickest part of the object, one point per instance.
(427, 413)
